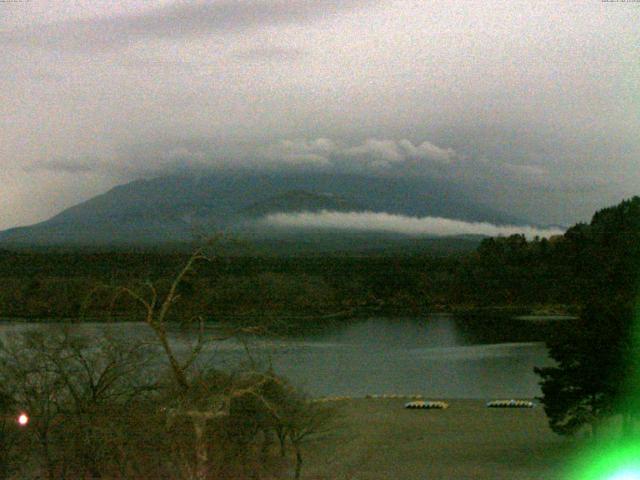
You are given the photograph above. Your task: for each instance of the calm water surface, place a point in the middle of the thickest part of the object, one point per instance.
(438, 356)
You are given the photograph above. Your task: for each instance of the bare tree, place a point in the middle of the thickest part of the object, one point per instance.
(7, 431)
(70, 387)
(37, 389)
(203, 403)
(157, 308)
(196, 401)
(306, 421)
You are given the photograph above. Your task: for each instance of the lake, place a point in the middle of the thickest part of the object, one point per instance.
(440, 356)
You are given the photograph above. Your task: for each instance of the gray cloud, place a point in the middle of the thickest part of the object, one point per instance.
(529, 107)
(72, 166)
(427, 151)
(176, 21)
(270, 53)
(526, 170)
(385, 222)
(370, 154)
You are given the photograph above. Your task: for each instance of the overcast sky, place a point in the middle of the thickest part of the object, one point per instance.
(532, 105)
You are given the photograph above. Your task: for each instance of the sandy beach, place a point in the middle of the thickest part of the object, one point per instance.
(379, 439)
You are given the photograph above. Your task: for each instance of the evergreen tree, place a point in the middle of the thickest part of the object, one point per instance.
(593, 363)
(597, 372)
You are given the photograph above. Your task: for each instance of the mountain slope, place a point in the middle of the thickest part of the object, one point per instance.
(169, 209)
(299, 201)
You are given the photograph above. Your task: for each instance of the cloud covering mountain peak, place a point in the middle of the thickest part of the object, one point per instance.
(376, 154)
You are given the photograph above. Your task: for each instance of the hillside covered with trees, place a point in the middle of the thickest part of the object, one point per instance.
(598, 259)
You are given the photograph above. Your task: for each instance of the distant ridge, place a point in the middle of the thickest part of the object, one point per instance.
(170, 209)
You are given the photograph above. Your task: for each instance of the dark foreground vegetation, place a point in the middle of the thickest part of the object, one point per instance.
(104, 406)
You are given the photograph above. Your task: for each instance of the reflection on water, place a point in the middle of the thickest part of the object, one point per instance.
(439, 356)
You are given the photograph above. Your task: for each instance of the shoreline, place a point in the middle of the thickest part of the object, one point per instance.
(522, 312)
